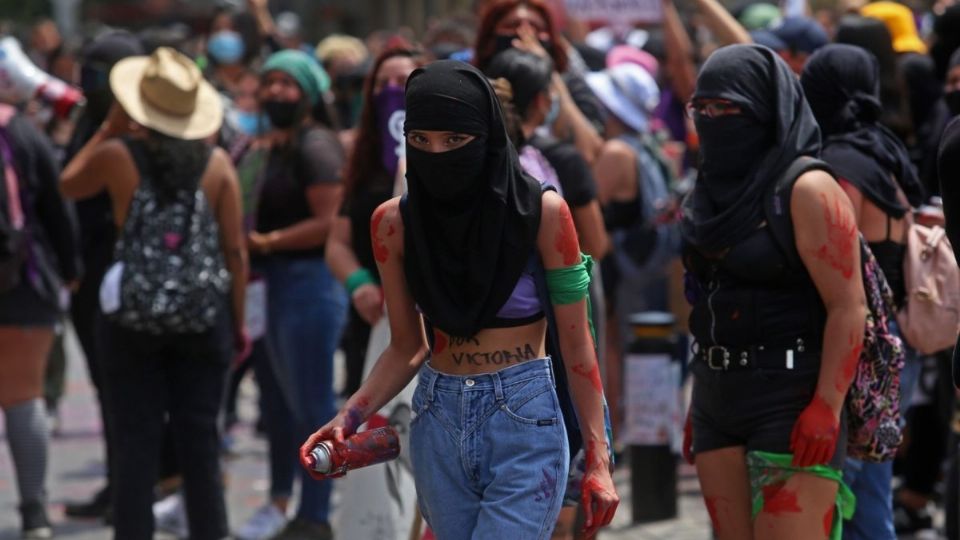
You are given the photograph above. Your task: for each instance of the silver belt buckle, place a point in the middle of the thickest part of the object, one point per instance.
(718, 362)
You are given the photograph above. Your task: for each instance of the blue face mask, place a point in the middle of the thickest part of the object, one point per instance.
(251, 123)
(226, 47)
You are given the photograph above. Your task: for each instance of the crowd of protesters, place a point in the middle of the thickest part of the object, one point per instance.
(502, 192)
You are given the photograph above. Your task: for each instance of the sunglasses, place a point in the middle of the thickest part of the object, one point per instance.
(712, 109)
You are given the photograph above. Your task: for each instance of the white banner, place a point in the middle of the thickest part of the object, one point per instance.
(616, 11)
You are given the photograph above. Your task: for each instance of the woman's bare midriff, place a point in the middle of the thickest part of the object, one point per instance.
(490, 350)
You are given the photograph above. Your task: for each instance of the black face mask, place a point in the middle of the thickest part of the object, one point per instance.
(450, 175)
(283, 114)
(505, 41)
(953, 101)
(727, 142)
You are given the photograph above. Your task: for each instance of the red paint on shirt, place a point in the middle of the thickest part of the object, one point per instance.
(439, 341)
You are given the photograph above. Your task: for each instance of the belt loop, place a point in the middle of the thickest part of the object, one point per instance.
(431, 381)
(497, 386)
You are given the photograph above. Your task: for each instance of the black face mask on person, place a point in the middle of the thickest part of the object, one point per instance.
(953, 101)
(505, 41)
(728, 142)
(283, 114)
(449, 175)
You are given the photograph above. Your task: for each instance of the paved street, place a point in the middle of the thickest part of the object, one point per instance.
(76, 468)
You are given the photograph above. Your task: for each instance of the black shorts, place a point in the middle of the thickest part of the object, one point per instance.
(755, 408)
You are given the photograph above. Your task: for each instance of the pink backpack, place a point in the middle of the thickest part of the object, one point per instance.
(930, 318)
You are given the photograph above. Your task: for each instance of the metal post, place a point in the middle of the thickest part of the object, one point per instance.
(651, 390)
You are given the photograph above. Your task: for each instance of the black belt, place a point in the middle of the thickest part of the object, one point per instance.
(722, 358)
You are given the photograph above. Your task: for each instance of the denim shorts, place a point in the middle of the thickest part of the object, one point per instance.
(490, 454)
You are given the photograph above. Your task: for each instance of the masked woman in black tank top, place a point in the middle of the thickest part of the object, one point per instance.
(774, 343)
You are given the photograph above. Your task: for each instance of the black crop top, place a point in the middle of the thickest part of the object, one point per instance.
(752, 296)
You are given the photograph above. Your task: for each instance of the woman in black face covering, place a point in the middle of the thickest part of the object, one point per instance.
(462, 250)
(773, 338)
(841, 83)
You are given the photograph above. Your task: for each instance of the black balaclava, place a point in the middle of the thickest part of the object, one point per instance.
(744, 154)
(472, 213)
(953, 96)
(946, 31)
(948, 168)
(842, 85)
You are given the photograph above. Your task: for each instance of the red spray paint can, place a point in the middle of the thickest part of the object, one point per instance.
(363, 449)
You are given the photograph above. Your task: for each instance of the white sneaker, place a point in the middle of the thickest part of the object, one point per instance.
(170, 515)
(265, 523)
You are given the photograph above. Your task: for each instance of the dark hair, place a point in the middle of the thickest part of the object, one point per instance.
(511, 120)
(528, 74)
(175, 164)
(486, 34)
(873, 35)
(364, 163)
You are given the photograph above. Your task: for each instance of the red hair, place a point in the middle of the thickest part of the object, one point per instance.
(495, 11)
(365, 162)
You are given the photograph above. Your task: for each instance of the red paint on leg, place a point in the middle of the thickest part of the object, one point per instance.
(591, 373)
(439, 341)
(566, 243)
(711, 504)
(380, 251)
(828, 521)
(841, 237)
(780, 501)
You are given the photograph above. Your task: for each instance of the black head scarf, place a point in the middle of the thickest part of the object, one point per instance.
(472, 213)
(841, 83)
(744, 154)
(948, 160)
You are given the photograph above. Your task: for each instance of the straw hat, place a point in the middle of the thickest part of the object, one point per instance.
(166, 92)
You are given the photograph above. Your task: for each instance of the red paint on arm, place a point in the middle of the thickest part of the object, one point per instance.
(849, 367)
(380, 251)
(841, 238)
(591, 373)
(439, 341)
(566, 243)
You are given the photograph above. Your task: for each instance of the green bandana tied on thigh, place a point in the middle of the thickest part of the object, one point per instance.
(768, 468)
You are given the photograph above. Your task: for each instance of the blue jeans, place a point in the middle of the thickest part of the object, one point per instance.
(871, 482)
(306, 313)
(490, 455)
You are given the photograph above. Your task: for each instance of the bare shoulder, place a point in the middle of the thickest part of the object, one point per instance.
(552, 205)
(386, 223)
(615, 149)
(813, 185)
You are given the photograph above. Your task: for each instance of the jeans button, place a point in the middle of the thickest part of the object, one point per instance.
(469, 382)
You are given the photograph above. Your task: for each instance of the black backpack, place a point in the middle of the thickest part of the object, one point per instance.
(173, 279)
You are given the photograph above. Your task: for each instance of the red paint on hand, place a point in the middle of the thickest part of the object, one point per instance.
(814, 437)
(566, 243)
(439, 341)
(828, 520)
(591, 373)
(380, 251)
(779, 500)
(841, 237)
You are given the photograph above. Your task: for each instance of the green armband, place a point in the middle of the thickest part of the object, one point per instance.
(768, 469)
(358, 279)
(571, 284)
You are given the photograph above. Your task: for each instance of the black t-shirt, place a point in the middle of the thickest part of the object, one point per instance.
(290, 171)
(359, 207)
(576, 178)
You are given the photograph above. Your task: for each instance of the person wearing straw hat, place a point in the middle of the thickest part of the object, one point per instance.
(152, 157)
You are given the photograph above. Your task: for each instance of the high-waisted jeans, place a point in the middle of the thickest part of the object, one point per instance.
(490, 454)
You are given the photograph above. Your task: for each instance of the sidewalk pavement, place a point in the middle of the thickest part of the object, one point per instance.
(76, 472)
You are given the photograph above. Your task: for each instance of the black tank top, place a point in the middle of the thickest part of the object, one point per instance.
(751, 296)
(889, 255)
